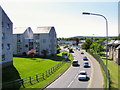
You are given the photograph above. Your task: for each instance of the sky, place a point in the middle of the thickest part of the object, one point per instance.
(66, 17)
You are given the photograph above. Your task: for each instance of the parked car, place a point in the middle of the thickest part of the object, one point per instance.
(86, 64)
(82, 75)
(75, 62)
(85, 58)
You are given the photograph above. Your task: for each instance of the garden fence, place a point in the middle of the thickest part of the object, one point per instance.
(23, 83)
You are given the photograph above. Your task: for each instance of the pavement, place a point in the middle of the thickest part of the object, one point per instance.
(70, 78)
(97, 80)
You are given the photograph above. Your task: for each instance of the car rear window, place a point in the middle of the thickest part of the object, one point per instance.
(82, 73)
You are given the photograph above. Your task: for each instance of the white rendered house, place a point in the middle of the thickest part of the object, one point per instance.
(5, 39)
(43, 38)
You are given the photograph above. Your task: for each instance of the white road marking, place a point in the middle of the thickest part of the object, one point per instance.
(75, 76)
(70, 84)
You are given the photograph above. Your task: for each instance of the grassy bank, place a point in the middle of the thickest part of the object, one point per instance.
(53, 76)
(31, 66)
(113, 68)
(25, 67)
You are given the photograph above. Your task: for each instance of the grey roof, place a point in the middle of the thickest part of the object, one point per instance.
(117, 42)
(42, 30)
(118, 47)
(19, 30)
(111, 42)
(114, 42)
(28, 34)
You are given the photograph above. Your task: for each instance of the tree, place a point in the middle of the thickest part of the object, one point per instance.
(97, 47)
(87, 44)
(44, 52)
(31, 52)
(75, 39)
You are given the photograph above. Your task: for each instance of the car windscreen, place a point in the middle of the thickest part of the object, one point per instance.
(84, 57)
(75, 61)
(86, 63)
(82, 74)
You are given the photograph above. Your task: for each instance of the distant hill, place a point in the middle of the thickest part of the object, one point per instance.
(93, 36)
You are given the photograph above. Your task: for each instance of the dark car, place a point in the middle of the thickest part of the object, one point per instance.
(85, 58)
(75, 63)
(82, 52)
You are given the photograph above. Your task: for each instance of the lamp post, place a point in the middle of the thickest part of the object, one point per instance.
(86, 13)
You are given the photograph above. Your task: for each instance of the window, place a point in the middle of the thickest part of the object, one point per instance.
(19, 41)
(8, 25)
(3, 35)
(2, 24)
(3, 57)
(26, 45)
(44, 40)
(2, 46)
(8, 46)
(18, 50)
(30, 40)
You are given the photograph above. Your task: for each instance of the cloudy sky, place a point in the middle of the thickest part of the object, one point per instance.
(66, 17)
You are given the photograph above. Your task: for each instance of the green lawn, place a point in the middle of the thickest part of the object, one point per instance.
(25, 67)
(113, 68)
(53, 76)
(35, 66)
(31, 66)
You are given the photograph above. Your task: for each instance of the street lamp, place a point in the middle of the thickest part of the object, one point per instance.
(86, 13)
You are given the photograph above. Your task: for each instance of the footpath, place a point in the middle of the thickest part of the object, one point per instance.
(98, 81)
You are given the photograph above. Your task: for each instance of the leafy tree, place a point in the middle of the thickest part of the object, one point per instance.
(97, 47)
(44, 52)
(31, 52)
(87, 44)
(75, 39)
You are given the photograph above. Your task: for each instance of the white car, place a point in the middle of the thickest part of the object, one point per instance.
(86, 64)
(82, 75)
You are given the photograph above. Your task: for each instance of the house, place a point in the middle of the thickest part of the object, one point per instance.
(6, 27)
(21, 40)
(114, 51)
(63, 42)
(41, 39)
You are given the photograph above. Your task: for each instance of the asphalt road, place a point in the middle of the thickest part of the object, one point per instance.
(70, 78)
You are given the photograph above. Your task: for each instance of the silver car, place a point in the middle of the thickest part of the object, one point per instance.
(82, 75)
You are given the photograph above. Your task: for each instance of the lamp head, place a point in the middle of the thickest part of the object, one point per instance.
(86, 13)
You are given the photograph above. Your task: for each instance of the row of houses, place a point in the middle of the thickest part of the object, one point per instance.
(40, 39)
(114, 51)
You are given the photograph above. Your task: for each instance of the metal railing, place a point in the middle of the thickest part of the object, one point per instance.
(97, 57)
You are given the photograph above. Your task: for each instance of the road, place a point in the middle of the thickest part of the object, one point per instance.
(70, 78)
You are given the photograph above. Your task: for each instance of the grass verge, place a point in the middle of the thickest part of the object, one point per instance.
(42, 84)
(25, 67)
(113, 68)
